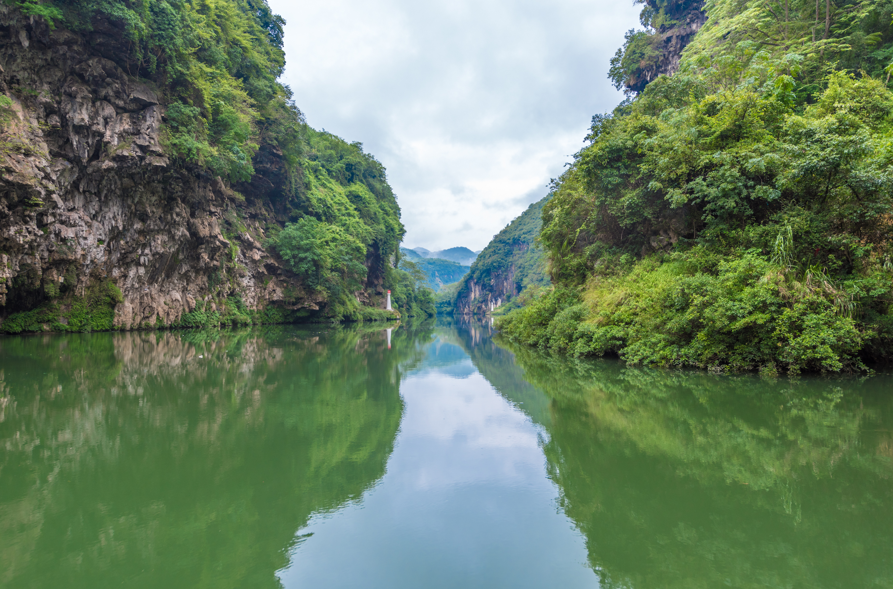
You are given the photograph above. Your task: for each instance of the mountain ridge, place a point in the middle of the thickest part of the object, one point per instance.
(460, 254)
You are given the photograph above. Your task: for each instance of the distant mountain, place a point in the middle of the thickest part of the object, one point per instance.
(411, 254)
(510, 264)
(437, 270)
(460, 255)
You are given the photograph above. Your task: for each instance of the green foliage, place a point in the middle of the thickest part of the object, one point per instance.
(445, 300)
(233, 312)
(348, 187)
(724, 218)
(638, 53)
(325, 256)
(409, 290)
(516, 246)
(845, 34)
(217, 64)
(738, 313)
(437, 272)
(49, 13)
(848, 35)
(93, 312)
(640, 58)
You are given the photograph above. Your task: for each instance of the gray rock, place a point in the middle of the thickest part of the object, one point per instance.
(88, 194)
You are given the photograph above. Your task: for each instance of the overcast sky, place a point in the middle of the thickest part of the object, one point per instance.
(472, 106)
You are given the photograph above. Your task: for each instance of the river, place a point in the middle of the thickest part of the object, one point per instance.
(431, 456)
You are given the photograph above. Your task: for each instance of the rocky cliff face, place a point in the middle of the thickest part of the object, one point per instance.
(509, 264)
(481, 297)
(88, 196)
(667, 45)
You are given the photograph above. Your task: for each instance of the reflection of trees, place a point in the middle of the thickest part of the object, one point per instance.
(185, 459)
(692, 480)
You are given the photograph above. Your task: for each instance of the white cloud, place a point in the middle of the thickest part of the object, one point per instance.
(472, 106)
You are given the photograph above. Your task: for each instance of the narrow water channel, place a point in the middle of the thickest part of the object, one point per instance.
(427, 456)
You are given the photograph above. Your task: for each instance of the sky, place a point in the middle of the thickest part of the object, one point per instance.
(472, 106)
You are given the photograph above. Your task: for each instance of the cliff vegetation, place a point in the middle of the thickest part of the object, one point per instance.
(438, 272)
(735, 215)
(511, 267)
(149, 151)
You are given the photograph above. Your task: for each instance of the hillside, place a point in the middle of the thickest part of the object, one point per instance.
(459, 255)
(734, 215)
(155, 173)
(512, 263)
(437, 272)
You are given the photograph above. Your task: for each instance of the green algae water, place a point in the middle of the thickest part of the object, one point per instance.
(427, 456)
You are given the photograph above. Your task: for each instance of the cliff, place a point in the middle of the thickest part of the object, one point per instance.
(511, 263)
(733, 216)
(667, 44)
(671, 26)
(101, 227)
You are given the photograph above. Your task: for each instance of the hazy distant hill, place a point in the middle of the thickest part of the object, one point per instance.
(438, 271)
(460, 255)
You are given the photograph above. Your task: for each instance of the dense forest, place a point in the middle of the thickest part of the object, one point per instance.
(178, 102)
(736, 214)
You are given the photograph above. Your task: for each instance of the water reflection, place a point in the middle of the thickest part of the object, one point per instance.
(692, 480)
(322, 457)
(465, 502)
(186, 459)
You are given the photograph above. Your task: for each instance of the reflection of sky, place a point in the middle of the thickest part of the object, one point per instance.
(446, 358)
(465, 501)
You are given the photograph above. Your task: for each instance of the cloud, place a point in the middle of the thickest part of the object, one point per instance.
(471, 106)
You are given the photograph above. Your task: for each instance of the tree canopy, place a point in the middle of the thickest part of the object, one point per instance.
(735, 214)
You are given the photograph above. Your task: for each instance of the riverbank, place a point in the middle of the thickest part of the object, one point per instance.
(96, 312)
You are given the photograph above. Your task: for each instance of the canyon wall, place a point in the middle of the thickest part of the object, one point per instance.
(93, 210)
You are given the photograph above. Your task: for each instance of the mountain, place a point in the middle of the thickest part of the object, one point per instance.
(438, 272)
(734, 215)
(460, 255)
(510, 264)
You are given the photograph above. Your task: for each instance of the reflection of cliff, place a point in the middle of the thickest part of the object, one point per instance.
(690, 480)
(497, 365)
(152, 460)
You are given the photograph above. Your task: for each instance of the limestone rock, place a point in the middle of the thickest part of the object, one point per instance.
(87, 194)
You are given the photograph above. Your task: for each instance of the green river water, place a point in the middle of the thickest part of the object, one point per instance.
(427, 456)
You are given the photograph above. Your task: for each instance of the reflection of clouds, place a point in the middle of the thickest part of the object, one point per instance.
(465, 503)
(458, 369)
(465, 434)
(445, 358)
(444, 411)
